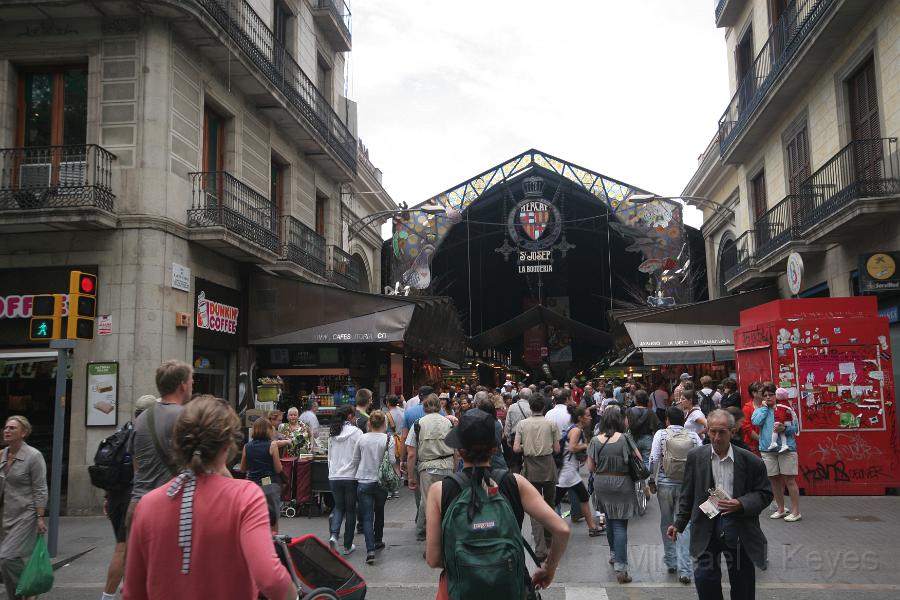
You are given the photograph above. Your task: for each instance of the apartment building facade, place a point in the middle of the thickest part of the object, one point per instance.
(805, 157)
(173, 148)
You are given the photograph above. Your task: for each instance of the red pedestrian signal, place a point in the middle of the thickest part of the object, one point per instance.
(82, 305)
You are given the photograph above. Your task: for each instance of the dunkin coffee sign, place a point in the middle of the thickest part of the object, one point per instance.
(219, 318)
(216, 316)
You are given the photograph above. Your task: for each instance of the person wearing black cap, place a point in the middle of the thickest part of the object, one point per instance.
(476, 441)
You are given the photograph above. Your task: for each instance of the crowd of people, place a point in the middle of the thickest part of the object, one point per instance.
(184, 524)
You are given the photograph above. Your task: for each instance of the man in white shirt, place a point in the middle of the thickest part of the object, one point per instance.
(424, 391)
(559, 414)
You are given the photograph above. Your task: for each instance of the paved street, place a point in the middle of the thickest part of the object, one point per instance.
(845, 547)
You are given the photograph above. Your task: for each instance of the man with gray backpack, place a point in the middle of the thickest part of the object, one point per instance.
(668, 457)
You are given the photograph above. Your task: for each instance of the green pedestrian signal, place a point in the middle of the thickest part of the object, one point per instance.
(46, 328)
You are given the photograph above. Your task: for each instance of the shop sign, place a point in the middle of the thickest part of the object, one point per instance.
(878, 272)
(102, 394)
(794, 273)
(181, 277)
(535, 261)
(219, 318)
(216, 316)
(17, 290)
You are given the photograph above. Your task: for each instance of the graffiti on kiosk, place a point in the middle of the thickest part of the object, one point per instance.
(845, 446)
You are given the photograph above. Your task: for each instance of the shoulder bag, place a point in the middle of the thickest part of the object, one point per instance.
(636, 469)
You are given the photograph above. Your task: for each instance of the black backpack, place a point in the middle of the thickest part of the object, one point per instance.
(707, 405)
(113, 469)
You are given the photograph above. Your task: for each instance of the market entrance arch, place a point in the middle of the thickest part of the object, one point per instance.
(537, 231)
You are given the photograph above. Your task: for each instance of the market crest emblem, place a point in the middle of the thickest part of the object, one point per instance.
(534, 223)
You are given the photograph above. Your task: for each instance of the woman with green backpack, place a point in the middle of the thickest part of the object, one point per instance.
(474, 523)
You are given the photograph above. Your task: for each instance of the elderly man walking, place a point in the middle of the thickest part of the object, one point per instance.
(723, 493)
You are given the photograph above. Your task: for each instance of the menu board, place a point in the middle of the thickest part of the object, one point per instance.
(839, 388)
(102, 394)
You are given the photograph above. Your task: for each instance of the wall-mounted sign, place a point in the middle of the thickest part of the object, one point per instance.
(104, 324)
(878, 272)
(219, 316)
(536, 261)
(181, 277)
(102, 395)
(794, 273)
(534, 223)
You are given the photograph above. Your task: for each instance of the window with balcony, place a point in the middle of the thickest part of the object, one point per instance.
(52, 128)
(758, 199)
(862, 96)
(324, 79)
(797, 153)
(213, 140)
(321, 212)
(743, 64)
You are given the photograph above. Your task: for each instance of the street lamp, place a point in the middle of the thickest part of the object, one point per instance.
(717, 208)
(402, 209)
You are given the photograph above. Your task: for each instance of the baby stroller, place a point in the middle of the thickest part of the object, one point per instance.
(318, 572)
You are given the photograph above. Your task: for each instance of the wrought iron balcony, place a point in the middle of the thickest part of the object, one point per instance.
(56, 177)
(221, 200)
(862, 169)
(335, 19)
(777, 227)
(785, 41)
(303, 246)
(744, 254)
(344, 270)
(250, 33)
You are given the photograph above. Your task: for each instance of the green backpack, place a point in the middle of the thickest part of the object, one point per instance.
(483, 549)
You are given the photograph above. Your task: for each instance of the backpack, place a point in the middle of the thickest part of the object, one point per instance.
(482, 545)
(113, 469)
(707, 404)
(387, 476)
(675, 450)
(398, 439)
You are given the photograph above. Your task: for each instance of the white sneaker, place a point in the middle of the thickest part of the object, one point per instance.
(348, 551)
(332, 543)
(772, 446)
(784, 448)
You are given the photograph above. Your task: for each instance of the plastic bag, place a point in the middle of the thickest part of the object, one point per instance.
(37, 577)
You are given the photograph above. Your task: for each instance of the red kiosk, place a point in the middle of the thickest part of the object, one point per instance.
(833, 355)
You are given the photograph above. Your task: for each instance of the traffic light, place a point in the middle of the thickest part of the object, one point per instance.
(82, 306)
(46, 317)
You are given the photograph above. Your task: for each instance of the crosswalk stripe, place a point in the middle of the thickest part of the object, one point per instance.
(583, 593)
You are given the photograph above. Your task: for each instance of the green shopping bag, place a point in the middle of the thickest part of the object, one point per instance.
(37, 578)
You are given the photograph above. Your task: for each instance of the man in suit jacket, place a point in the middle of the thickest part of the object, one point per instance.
(735, 531)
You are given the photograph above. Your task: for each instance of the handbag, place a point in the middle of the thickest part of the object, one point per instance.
(387, 476)
(37, 577)
(636, 469)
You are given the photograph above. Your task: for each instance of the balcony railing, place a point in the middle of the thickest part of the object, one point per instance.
(719, 6)
(302, 245)
(788, 36)
(777, 226)
(339, 10)
(744, 256)
(862, 169)
(56, 177)
(238, 19)
(344, 270)
(221, 200)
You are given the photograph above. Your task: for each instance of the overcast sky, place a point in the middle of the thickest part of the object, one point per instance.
(449, 88)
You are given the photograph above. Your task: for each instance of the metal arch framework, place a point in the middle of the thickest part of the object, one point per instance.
(656, 227)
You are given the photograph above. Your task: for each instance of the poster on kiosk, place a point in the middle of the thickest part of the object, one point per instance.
(833, 356)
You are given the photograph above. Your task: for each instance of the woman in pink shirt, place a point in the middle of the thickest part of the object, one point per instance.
(203, 534)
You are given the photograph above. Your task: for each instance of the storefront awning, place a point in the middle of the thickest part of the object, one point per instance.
(286, 312)
(667, 343)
